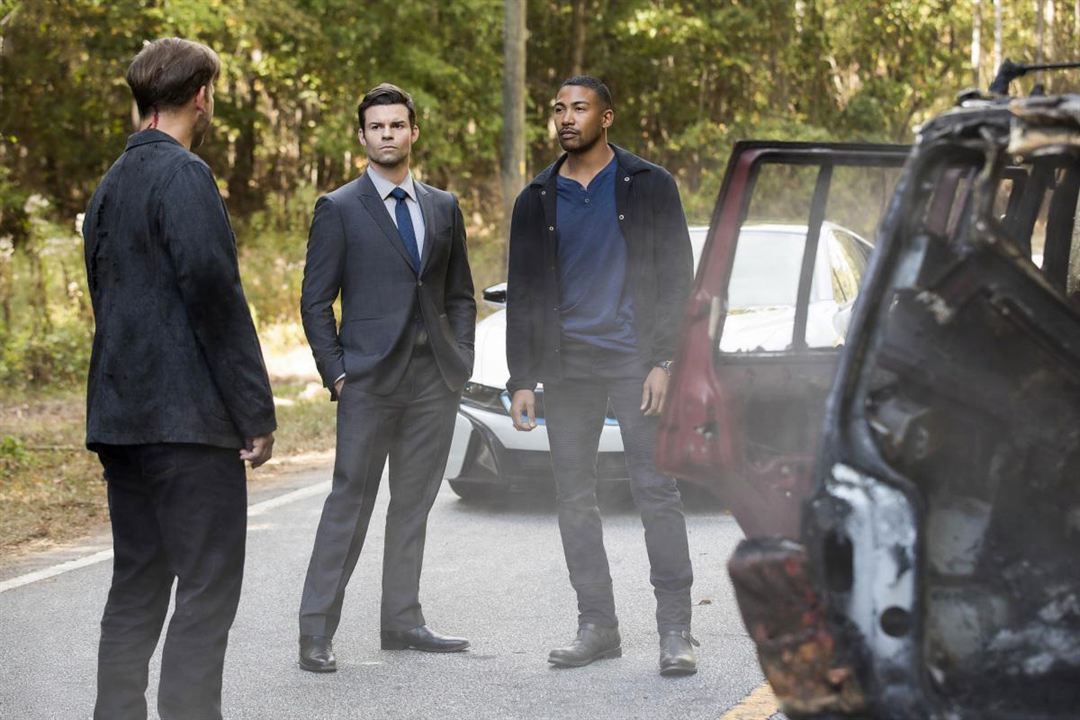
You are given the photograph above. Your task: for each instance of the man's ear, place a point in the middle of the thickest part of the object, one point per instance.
(608, 119)
(202, 98)
(361, 138)
(415, 132)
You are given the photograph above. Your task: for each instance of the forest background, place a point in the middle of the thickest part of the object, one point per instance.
(690, 77)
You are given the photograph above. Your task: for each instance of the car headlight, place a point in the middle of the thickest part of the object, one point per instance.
(484, 397)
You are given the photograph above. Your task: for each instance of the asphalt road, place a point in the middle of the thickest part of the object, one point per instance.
(493, 573)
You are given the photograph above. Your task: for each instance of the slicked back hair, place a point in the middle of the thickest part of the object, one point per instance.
(386, 94)
(594, 84)
(168, 72)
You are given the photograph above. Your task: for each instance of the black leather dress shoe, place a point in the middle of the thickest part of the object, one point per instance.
(677, 656)
(317, 654)
(422, 638)
(593, 642)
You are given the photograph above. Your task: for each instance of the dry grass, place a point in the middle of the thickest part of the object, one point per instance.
(51, 488)
(50, 485)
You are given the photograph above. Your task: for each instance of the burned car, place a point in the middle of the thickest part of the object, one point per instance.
(911, 500)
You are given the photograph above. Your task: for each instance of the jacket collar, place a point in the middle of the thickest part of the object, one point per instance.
(144, 137)
(628, 162)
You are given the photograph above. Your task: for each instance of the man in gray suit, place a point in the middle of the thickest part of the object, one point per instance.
(394, 248)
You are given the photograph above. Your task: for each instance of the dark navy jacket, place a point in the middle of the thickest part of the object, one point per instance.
(658, 274)
(175, 357)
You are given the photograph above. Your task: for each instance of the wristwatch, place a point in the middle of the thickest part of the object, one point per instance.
(665, 365)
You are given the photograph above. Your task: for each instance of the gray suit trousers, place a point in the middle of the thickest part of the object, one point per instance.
(413, 425)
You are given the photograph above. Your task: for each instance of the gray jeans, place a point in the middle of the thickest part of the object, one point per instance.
(574, 411)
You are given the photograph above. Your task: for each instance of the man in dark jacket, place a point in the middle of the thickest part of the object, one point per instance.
(600, 268)
(178, 395)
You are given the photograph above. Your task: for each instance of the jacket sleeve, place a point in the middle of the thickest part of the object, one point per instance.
(323, 270)
(202, 248)
(460, 302)
(674, 261)
(519, 299)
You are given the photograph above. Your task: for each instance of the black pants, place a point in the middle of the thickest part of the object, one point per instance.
(178, 512)
(413, 425)
(574, 411)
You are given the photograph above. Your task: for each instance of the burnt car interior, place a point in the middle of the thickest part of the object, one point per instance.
(971, 393)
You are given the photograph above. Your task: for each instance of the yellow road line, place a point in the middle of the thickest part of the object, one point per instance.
(758, 705)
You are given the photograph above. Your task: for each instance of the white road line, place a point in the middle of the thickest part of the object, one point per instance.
(46, 573)
(289, 497)
(103, 555)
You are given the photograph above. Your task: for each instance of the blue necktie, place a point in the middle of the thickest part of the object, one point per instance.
(405, 226)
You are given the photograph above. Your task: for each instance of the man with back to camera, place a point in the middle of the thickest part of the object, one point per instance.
(394, 248)
(600, 269)
(178, 396)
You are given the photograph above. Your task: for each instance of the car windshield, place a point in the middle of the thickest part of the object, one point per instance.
(766, 269)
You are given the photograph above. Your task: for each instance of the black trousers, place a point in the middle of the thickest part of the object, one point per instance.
(179, 512)
(574, 411)
(413, 425)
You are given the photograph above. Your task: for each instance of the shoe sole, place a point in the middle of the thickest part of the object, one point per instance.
(395, 645)
(677, 671)
(317, 668)
(607, 655)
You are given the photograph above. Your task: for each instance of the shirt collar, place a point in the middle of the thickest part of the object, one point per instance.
(384, 186)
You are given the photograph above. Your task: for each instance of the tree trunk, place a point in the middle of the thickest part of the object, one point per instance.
(1040, 32)
(976, 42)
(578, 34)
(242, 194)
(513, 133)
(997, 35)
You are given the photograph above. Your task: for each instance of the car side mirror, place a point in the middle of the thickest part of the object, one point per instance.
(495, 296)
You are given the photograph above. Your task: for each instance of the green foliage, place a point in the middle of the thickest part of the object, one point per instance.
(690, 77)
(12, 450)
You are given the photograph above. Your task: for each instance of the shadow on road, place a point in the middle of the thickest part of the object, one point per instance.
(614, 500)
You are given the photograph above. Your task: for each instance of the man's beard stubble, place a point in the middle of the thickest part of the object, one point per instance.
(202, 129)
(584, 145)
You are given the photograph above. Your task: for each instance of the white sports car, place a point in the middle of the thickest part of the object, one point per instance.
(489, 456)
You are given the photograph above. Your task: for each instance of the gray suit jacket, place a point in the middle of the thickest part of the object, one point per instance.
(354, 250)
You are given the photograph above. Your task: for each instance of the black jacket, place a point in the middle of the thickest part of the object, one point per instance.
(175, 357)
(659, 266)
(354, 250)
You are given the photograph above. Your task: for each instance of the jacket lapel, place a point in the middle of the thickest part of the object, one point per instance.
(427, 208)
(377, 210)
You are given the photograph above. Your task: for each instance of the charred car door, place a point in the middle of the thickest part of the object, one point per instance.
(789, 240)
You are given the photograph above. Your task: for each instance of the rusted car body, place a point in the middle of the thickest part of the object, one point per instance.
(915, 552)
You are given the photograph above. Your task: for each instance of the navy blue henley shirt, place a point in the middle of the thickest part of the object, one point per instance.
(595, 305)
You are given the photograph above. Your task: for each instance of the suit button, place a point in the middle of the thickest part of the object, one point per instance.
(551, 228)
(419, 283)
(622, 217)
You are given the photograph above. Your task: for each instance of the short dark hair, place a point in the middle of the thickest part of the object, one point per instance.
(594, 84)
(385, 94)
(168, 72)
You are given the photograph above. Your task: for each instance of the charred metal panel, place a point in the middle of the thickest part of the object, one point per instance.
(799, 653)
